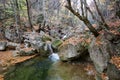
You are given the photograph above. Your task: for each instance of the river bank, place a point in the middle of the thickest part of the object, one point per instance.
(7, 59)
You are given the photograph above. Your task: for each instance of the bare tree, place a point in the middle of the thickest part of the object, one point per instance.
(82, 17)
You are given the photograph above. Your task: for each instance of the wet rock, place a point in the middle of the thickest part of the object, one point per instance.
(56, 43)
(46, 38)
(3, 45)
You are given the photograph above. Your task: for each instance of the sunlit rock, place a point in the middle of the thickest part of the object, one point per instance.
(72, 49)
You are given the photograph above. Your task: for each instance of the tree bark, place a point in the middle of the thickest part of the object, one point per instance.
(17, 12)
(91, 28)
(29, 16)
(105, 26)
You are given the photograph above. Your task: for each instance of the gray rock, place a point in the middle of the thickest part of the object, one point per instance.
(3, 45)
(100, 50)
(15, 53)
(12, 35)
(70, 52)
(12, 45)
(24, 52)
(113, 72)
(38, 41)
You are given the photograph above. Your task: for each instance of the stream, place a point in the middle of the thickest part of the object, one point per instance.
(40, 68)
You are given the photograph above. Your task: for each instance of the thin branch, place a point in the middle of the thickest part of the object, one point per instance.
(81, 1)
(100, 14)
(69, 7)
(85, 4)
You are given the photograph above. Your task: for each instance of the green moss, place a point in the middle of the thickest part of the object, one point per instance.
(56, 43)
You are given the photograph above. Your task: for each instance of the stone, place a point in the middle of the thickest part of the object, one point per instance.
(100, 51)
(56, 43)
(3, 45)
(15, 53)
(71, 52)
(11, 34)
(46, 38)
(24, 52)
(113, 72)
(38, 41)
(13, 46)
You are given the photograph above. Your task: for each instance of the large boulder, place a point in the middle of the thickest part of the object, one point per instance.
(12, 35)
(101, 50)
(3, 45)
(71, 51)
(40, 42)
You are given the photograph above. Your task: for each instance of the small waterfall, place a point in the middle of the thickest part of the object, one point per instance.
(53, 56)
(50, 48)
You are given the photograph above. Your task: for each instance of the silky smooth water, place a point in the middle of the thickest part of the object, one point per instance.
(41, 68)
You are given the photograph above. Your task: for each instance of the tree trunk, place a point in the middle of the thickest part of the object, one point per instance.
(91, 28)
(17, 12)
(105, 26)
(29, 16)
(82, 18)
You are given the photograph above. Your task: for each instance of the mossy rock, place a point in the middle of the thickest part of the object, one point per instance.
(46, 38)
(56, 43)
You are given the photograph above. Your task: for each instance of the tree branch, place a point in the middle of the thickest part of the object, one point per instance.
(105, 26)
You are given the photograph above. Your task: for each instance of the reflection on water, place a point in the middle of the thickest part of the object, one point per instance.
(43, 69)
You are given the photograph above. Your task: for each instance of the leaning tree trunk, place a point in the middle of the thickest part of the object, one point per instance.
(82, 18)
(91, 28)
